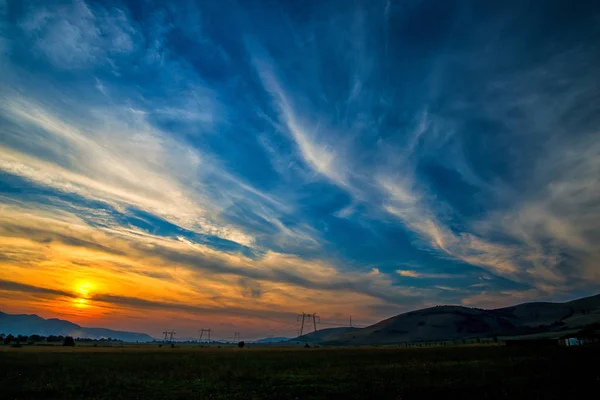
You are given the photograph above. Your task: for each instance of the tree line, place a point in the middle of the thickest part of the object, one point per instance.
(65, 340)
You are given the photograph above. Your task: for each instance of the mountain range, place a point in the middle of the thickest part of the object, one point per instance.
(31, 324)
(275, 339)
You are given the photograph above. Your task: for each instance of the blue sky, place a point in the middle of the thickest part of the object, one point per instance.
(355, 157)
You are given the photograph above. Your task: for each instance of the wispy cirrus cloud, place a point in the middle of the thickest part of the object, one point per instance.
(319, 155)
(192, 157)
(518, 250)
(407, 273)
(78, 35)
(131, 174)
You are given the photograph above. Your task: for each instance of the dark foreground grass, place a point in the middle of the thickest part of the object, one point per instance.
(345, 373)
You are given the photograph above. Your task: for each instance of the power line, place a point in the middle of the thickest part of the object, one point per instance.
(280, 328)
(334, 324)
(304, 318)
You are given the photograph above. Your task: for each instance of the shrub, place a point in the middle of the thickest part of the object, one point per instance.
(241, 344)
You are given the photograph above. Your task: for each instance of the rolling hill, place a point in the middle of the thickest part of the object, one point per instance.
(571, 314)
(324, 335)
(25, 324)
(456, 322)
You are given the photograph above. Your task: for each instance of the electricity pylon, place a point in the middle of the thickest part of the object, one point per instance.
(170, 334)
(312, 316)
(202, 333)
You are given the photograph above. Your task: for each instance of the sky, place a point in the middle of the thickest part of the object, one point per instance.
(231, 164)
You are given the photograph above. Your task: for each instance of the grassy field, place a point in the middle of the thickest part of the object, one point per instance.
(475, 372)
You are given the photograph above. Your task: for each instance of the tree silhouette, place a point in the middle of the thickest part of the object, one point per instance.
(35, 338)
(69, 341)
(241, 344)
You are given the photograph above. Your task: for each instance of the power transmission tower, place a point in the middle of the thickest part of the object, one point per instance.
(202, 330)
(168, 334)
(350, 320)
(315, 318)
(301, 326)
(236, 336)
(305, 316)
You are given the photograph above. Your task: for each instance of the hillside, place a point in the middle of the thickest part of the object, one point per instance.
(323, 335)
(437, 323)
(23, 324)
(456, 322)
(571, 314)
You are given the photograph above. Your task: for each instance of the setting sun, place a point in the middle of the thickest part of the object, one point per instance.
(84, 289)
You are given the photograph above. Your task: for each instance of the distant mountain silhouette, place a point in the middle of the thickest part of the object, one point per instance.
(273, 340)
(456, 322)
(24, 324)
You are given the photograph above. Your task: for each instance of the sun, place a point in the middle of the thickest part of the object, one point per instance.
(84, 289)
(83, 292)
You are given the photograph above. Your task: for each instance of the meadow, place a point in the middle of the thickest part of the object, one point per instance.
(465, 372)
